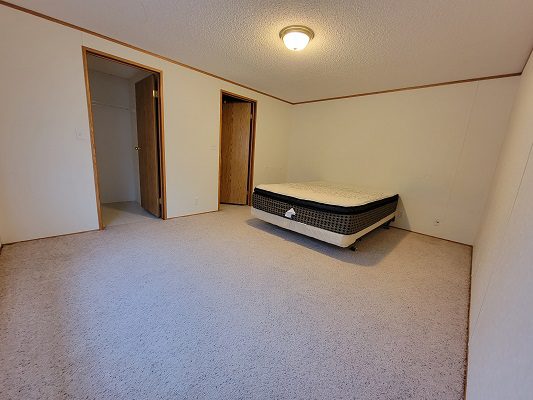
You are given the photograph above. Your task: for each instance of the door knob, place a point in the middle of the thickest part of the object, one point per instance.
(137, 148)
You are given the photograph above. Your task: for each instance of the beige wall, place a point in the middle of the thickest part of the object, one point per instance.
(436, 147)
(501, 324)
(46, 172)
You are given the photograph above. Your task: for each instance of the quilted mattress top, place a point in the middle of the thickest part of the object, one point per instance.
(342, 195)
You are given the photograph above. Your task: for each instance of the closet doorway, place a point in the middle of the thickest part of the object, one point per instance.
(237, 137)
(124, 101)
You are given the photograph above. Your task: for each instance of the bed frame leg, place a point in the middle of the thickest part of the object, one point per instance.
(353, 246)
(386, 225)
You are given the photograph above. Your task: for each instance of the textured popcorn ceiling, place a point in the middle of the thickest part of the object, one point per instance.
(359, 46)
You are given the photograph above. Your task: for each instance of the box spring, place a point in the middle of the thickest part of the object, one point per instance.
(337, 219)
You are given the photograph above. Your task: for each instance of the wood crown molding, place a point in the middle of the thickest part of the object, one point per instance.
(172, 61)
(483, 78)
(150, 53)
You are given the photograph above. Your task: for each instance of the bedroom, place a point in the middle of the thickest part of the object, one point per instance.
(449, 131)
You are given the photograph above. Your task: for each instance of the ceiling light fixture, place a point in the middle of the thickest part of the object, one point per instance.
(296, 37)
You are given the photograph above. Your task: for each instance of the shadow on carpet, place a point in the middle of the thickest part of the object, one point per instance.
(371, 248)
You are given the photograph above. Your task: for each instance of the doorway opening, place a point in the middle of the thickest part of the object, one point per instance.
(125, 114)
(237, 143)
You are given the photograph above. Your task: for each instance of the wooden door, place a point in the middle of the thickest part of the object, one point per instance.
(235, 152)
(148, 148)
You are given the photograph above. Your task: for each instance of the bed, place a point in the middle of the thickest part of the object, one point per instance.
(334, 213)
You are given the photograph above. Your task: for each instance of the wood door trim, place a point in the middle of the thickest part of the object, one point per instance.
(102, 54)
(252, 155)
(162, 160)
(161, 125)
(91, 133)
(236, 135)
(251, 158)
(238, 96)
(403, 89)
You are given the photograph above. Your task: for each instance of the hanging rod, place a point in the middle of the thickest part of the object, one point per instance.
(98, 103)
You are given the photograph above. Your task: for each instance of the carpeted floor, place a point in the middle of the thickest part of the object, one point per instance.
(125, 212)
(223, 306)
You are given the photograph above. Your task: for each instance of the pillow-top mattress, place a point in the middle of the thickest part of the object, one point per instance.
(326, 194)
(343, 210)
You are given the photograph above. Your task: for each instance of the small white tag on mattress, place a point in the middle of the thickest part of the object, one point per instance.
(290, 213)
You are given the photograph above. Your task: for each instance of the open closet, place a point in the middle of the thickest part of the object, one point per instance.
(126, 137)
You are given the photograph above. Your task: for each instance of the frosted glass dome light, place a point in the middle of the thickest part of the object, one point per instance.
(296, 37)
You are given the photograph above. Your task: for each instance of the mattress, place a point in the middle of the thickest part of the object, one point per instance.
(337, 214)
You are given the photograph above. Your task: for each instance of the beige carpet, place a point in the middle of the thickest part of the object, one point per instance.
(223, 306)
(125, 212)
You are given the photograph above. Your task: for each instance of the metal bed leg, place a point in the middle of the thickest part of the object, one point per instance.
(386, 225)
(353, 246)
